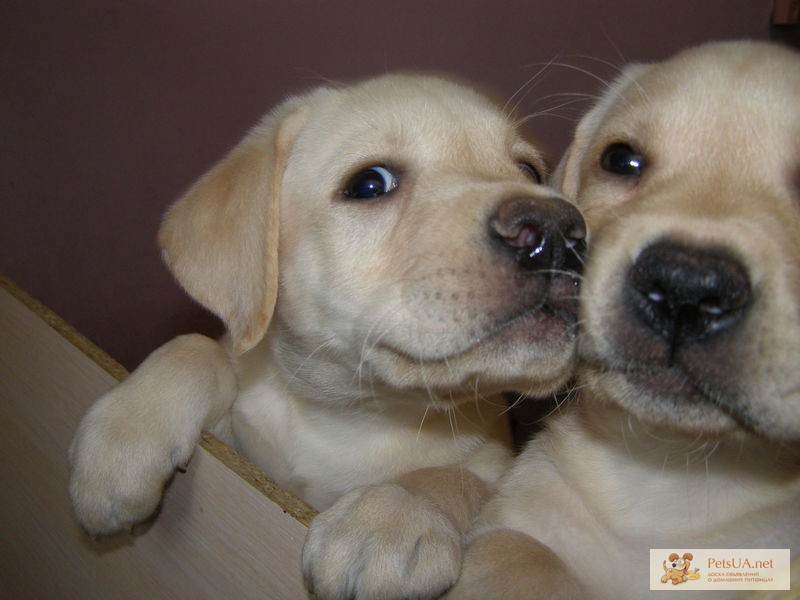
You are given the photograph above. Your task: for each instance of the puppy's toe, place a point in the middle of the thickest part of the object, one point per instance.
(114, 487)
(381, 542)
(104, 508)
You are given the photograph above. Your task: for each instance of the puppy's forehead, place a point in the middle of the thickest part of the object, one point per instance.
(423, 101)
(421, 115)
(750, 90)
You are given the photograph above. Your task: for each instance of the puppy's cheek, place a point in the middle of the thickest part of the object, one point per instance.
(600, 304)
(773, 395)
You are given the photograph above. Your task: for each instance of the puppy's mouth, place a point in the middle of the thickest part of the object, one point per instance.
(548, 323)
(532, 349)
(540, 326)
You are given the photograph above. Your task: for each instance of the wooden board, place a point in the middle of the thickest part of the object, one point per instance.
(217, 535)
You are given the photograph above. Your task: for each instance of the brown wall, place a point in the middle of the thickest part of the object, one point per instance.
(109, 109)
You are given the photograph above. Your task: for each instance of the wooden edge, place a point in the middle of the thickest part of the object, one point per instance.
(288, 502)
(67, 331)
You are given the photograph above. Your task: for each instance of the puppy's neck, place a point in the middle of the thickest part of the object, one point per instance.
(290, 413)
(636, 474)
(671, 447)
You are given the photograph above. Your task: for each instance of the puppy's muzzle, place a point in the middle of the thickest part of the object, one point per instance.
(684, 294)
(545, 235)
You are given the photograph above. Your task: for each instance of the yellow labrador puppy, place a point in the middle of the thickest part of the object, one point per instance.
(386, 260)
(686, 430)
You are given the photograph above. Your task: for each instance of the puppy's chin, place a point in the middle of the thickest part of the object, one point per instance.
(666, 397)
(534, 352)
(660, 397)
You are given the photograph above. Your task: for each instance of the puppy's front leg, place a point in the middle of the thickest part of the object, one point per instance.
(130, 442)
(508, 564)
(401, 539)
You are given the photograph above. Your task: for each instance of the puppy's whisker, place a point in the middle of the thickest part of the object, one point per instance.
(457, 411)
(368, 344)
(550, 112)
(559, 401)
(606, 83)
(620, 72)
(319, 78)
(523, 90)
(446, 362)
(572, 246)
(713, 449)
(434, 399)
(478, 399)
(521, 397)
(295, 374)
(566, 273)
(573, 390)
(617, 67)
(629, 421)
(574, 328)
(422, 422)
(574, 95)
(451, 418)
(488, 401)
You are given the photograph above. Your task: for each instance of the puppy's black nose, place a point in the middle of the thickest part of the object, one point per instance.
(542, 234)
(684, 293)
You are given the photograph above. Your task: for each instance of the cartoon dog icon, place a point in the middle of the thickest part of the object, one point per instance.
(677, 571)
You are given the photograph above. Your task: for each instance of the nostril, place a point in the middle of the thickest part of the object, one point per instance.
(712, 307)
(531, 246)
(528, 237)
(575, 242)
(542, 234)
(576, 232)
(575, 238)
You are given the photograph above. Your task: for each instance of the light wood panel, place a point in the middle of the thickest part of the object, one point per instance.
(217, 536)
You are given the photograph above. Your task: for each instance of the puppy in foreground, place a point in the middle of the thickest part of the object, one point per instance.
(386, 261)
(686, 429)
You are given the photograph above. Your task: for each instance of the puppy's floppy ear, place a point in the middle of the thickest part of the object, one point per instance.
(220, 240)
(566, 177)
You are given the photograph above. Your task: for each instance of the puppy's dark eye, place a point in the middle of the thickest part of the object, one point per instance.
(621, 159)
(531, 171)
(370, 183)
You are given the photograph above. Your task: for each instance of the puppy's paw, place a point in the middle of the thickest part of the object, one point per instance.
(119, 469)
(134, 437)
(381, 542)
(508, 564)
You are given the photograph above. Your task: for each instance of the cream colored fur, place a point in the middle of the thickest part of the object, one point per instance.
(368, 338)
(700, 451)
